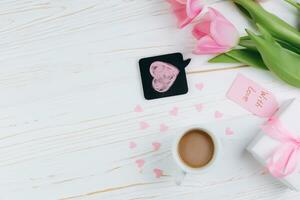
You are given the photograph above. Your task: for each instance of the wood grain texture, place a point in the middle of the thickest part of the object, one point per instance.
(69, 83)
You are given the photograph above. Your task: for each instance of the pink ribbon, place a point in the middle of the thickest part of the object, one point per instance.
(284, 159)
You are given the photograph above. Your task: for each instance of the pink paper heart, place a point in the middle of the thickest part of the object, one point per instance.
(144, 125)
(174, 111)
(138, 109)
(140, 163)
(218, 115)
(164, 75)
(229, 131)
(156, 146)
(158, 172)
(199, 86)
(132, 145)
(163, 128)
(199, 107)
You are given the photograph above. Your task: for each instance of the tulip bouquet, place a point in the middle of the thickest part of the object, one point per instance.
(275, 48)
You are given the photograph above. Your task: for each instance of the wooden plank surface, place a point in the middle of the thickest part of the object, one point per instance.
(69, 86)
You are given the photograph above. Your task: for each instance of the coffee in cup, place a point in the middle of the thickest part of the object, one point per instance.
(196, 149)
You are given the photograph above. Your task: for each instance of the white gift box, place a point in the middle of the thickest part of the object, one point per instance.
(263, 146)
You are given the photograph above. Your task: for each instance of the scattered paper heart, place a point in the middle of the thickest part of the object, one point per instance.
(158, 172)
(156, 146)
(138, 109)
(144, 125)
(199, 107)
(199, 86)
(163, 128)
(132, 145)
(140, 163)
(218, 115)
(174, 111)
(229, 131)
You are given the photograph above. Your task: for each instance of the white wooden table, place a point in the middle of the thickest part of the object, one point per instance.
(70, 91)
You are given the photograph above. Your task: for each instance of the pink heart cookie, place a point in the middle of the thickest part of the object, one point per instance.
(164, 75)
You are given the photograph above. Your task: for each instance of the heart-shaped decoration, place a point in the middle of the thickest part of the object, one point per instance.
(174, 111)
(140, 163)
(132, 145)
(229, 131)
(144, 125)
(138, 109)
(156, 146)
(199, 86)
(199, 107)
(218, 115)
(164, 75)
(158, 172)
(163, 128)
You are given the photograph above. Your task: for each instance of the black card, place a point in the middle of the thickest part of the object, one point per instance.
(164, 76)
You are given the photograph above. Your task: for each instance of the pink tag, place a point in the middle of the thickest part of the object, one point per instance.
(252, 97)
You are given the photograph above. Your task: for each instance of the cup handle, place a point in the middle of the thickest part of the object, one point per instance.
(179, 177)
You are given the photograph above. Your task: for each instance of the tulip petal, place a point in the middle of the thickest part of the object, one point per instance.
(179, 11)
(185, 11)
(201, 29)
(181, 1)
(215, 34)
(223, 31)
(206, 45)
(193, 8)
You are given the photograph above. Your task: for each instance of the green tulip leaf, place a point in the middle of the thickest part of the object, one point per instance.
(244, 11)
(244, 56)
(223, 58)
(294, 3)
(248, 57)
(282, 62)
(273, 24)
(249, 44)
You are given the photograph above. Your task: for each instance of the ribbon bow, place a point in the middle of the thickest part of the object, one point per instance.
(284, 159)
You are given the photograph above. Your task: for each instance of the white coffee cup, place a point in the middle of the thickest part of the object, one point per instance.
(184, 168)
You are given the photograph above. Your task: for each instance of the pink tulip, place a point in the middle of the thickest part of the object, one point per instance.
(215, 34)
(186, 10)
